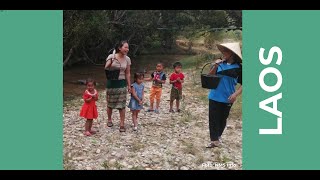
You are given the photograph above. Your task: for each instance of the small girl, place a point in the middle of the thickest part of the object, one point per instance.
(89, 108)
(137, 98)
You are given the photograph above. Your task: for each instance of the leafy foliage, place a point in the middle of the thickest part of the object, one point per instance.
(90, 34)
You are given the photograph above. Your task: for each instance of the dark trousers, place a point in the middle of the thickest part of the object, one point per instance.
(218, 114)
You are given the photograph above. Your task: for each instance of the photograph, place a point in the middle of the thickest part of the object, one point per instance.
(152, 89)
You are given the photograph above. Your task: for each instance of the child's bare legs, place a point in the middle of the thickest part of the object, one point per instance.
(135, 117)
(151, 104)
(87, 127)
(178, 105)
(137, 112)
(90, 127)
(157, 104)
(171, 104)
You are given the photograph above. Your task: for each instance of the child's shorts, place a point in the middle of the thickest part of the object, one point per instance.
(175, 94)
(155, 92)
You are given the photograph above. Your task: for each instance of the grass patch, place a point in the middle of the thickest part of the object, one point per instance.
(137, 168)
(200, 159)
(196, 62)
(192, 62)
(225, 159)
(187, 116)
(189, 148)
(118, 166)
(199, 124)
(106, 165)
(136, 146)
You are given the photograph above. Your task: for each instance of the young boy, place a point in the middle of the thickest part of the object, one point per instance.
(176, 79)
(158, 78)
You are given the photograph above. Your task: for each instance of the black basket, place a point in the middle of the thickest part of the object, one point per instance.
(209, 81)
(112, 73)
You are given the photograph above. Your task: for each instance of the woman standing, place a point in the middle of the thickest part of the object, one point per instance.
(222, 98)
(116, 89)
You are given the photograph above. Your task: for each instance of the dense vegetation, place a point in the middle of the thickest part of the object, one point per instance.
(89, 35)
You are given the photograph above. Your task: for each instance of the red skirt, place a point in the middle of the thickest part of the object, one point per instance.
(89, 110)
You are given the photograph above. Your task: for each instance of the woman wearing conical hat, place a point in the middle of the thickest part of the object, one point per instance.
(222, 98)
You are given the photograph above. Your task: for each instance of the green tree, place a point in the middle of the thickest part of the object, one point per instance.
(89, 35)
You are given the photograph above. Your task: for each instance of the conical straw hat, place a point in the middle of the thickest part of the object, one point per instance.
(234, 47)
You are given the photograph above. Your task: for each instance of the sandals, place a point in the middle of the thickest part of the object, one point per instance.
(172, 111)
(122, 129)
(87, 133)
(150, 110)
(109, 124)
(93, 132)
(213, 144)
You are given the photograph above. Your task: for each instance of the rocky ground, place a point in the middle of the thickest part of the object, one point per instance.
(165, 141)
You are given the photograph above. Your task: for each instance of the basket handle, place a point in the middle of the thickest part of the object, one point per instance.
(204, 67)
(208, 64)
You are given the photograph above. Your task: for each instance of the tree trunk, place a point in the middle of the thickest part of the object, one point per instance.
(65, 62)
(136, 50)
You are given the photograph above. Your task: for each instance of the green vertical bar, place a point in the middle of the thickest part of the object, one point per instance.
(296, 33)
(31, 89)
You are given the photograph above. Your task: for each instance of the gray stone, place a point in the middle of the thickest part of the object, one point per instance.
(124, 164)
(184, 168)
(79, 158)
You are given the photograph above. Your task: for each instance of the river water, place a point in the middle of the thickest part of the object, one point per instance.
(72, 88)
